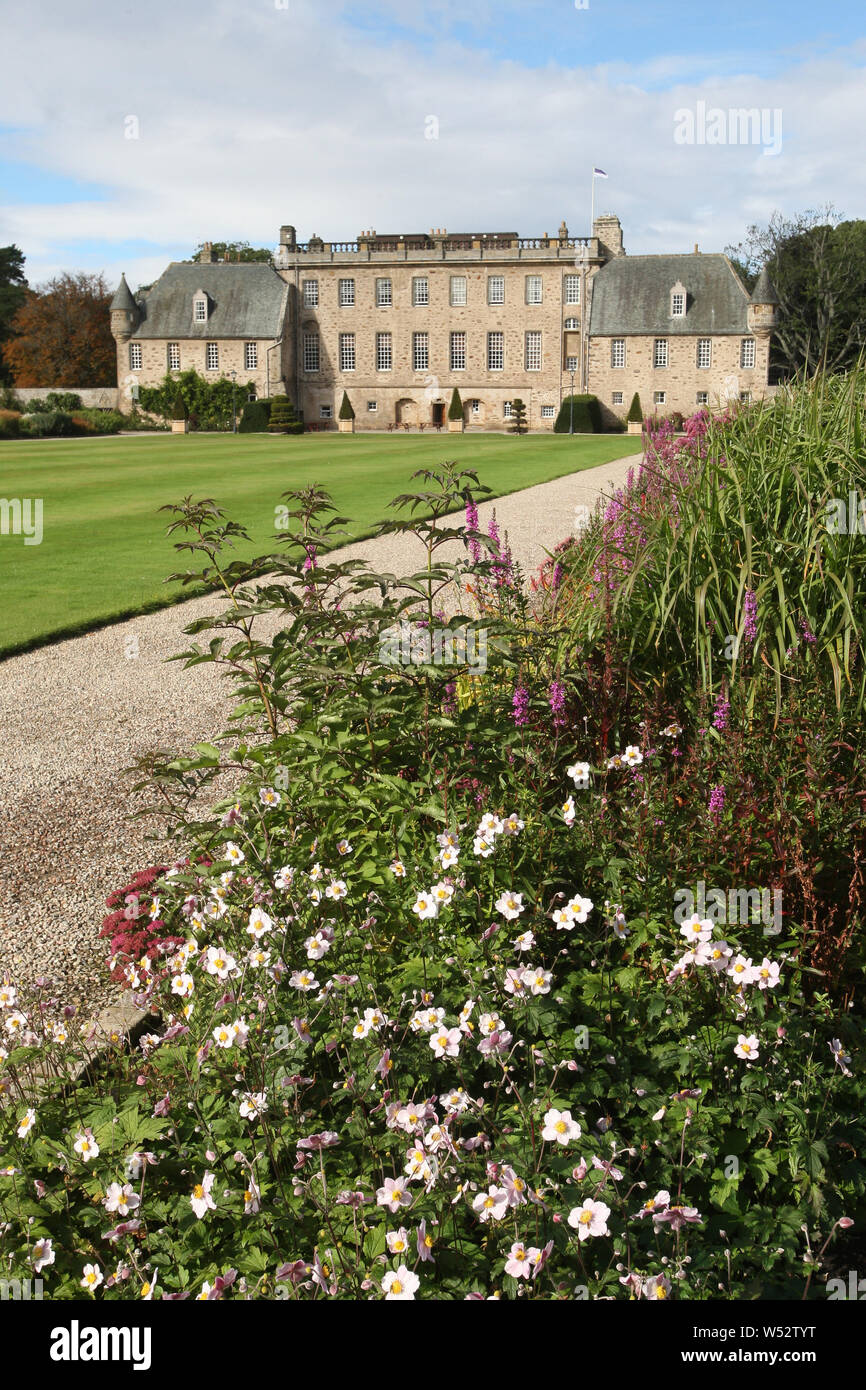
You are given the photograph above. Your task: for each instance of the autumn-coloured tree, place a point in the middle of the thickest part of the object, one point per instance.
(61, 335)
(13, 292)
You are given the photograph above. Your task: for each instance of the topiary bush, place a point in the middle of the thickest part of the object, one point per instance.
(283, 418)
(346, 410)
(587, 415)
(455, 409)
(635, 411)
(518, 417)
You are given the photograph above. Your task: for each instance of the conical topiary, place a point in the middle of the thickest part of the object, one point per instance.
(346, 411)
(635, 413)
(455, 409)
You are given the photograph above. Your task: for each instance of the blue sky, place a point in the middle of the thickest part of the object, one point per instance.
(406, 114)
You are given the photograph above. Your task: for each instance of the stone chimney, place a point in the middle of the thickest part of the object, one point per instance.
(608, 230)
(288, 238)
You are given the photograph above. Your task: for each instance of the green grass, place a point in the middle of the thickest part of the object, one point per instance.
(104, 554)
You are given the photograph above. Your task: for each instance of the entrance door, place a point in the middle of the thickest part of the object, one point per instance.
(438, 412)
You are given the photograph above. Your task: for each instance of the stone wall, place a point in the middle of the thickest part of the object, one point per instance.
(92, 397)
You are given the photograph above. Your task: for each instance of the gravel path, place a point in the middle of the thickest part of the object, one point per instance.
(74, 715)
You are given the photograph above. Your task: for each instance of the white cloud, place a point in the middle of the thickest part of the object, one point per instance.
(252, 116)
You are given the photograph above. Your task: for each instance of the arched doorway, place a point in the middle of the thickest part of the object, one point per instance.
(406, 412)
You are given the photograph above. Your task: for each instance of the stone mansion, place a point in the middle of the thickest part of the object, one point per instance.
(398, 321)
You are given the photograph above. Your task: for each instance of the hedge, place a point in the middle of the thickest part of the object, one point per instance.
(255, 417)
(587, 416)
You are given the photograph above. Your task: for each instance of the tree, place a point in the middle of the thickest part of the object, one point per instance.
(346, 411)
(61, 334)
(455, 409)
(817, 264)
(235, 251)
(635, 410)
(518, 417)
(13, 293)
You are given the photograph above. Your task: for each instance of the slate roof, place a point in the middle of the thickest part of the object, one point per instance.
(245, 301)
(123, 296)
(632, 295)
(764, 291)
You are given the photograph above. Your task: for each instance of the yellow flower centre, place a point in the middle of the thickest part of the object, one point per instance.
(561, 1127)
(198, 1191)
(585, 1218)
(396, 1286)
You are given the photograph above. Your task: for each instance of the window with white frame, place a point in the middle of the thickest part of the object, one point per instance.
(745, 397)
(572, 289)
(347, 352)
(506, 410)
(325, 412)
(420, 290)
(311, 294)
(383, 293)
(420, 352)
(475, 407)
(372, 406)
(346, 293)
(533, 289)
(458, 289)
(251, 356)
(495, 352)
(616, 398)
(572, 323)
(174, 357)
(135, 357)
(458, 352)
(533, 351)
(212, 357)
(547, 412)
(571, 364)
(617, 352)
(660, 352)
(311, 352)
(384, 360)
(496, 289)
(678, 304)
(659, 397)
(747, 353)
(702, 398)
(199, 311)
(705, 352)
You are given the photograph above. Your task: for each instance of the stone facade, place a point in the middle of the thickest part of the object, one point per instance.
(397, 322)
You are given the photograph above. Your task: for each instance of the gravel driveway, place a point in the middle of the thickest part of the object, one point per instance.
(75, 714)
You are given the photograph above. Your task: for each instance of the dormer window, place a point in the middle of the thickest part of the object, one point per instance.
(678, 301)
(199, 308)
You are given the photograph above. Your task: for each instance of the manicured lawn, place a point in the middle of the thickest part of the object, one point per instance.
(104, 553)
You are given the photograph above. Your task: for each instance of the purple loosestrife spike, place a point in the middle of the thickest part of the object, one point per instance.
(520, 704)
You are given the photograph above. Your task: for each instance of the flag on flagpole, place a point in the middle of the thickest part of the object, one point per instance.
(600, 172)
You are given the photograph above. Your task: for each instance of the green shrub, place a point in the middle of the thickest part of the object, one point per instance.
(283, 419)
(100, 421)
(346, 410)
(209, 403)
(44, 424)
(179, 411)
(255, 417)
(518, 417)
(9, 424)
(455, 409)
(587, 415)
(63, 400)
(635, 412)
(9, 400)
